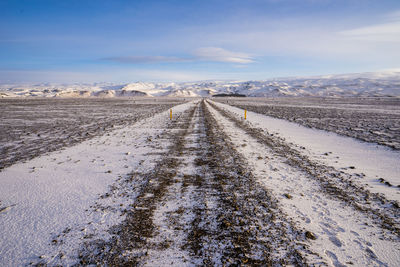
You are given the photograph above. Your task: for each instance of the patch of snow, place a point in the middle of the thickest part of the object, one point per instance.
(344, 153)
(46, 195)
(343, 236)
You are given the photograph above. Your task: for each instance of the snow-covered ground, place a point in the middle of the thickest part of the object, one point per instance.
(205, 188)
(343, 235)
(31, 128)
(374, 120)
(370, 161)
(54, 193)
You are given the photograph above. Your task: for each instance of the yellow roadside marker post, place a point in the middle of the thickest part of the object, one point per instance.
(170, 114)
(245, 114)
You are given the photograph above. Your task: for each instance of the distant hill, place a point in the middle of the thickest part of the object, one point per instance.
(346, 85)
(229, 95)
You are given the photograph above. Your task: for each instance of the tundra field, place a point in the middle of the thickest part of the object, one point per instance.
(300, 182)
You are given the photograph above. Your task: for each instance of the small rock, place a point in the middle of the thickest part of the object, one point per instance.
(388, 184)
(288, 196)
(310, 235)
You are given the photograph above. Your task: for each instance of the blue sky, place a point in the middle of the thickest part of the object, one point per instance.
(165, 40)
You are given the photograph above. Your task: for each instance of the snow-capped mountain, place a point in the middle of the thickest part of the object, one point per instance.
(364, 85)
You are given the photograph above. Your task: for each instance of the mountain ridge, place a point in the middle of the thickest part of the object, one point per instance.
(344, 85)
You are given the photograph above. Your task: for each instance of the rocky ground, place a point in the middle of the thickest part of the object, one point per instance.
(31, 127)
(200, 206)
(223, 192)
(373, 119)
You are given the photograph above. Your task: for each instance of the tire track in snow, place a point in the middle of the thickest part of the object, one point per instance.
(174, 213)
(205, 204)
(115, 155)
(316, 199)
(200, 206)
(130, 244)
(335, 183)
(238, 222)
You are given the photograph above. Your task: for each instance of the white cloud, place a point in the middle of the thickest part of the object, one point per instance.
(359, 39)
(393, 16)
(387, 32)
(222, 55)
(145, 59)
(391, 70)
(213, 54)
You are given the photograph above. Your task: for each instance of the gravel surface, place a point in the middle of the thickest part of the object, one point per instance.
(208, 188)
(229, 218)
(31, 127)
(335, 183)
(375, 120)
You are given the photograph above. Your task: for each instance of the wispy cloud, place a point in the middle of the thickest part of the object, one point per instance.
(349, 41)
(211, 54)
(393, 16)
(146, 59)
(386, 32)
(222, 55)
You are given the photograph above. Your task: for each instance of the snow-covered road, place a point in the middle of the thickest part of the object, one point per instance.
(344, 234)
(206, 188)
(50, 195)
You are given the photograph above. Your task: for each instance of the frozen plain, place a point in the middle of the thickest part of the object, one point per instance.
(216, 189)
